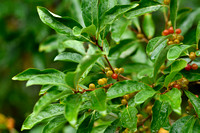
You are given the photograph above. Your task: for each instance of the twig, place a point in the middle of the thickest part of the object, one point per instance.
(121, 76)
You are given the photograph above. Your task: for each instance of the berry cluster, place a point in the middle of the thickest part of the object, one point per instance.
(170, 31)
(180, 84)
(109, 73)
(194, 66)
(101, 81)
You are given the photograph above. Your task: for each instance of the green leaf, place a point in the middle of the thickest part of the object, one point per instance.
(148, 25)
(69, 57)
(145, 6)
(74, 45)
(69, 79)
(195, 101)
(129, 118)
(105, 5)
(46, 79)
(173, 76)
(55, 123)
(31, 72)
(178, 65)
(60, 24)
(112, 128)
(50, 111)
(198, 33)
(160, 60)
(141, 97)
(154, 43)
(196, 127)
(72, 105)
(176, 51)
(76, 31)
(85, 66)
(188, 22)
(192, 75)
(111, 15)
(52, 95)
(98, 100)
(173, 97)
(90, 30)
(86, 125)
(125, 87)
(118, 28)
(161, 112)
(197, 53)
(183, 125)
(90, 12)
(173, 12)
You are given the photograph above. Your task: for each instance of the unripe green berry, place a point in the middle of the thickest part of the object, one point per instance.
(116, 70)
(107, 69)
(109, 73)
(140, 35)
(124, 101)
(192, 56)
(126, 97)
(105, 80)
(170, 42)
(101, 82)
(140, 117)
(121, 70)
(176, 41)
(92, 86)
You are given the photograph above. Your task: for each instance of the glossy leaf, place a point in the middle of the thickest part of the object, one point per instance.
(46, 79)
(148, 25)
(84, 66)
(173, 12)
(198, 33)
(86, 125)
(154, 43)
(183, 125)
(129, 118)
(173, 76)
(52, 95)
(160, 60)
(188, 22)
(176, 51)
(126, 87)
(105, 5)
(50, 111)
(111, 15)
(145, 6)
(74, 45)
(195, 101)
(197, 53)
(196, 127)
(31, 72)
(193, 75)
(58, 23)
(49, 44)
(69, 57)
(178, 65)
(161, 112)
(90, 12)
(141, 97)
(98, 100)
(173, 97)
(72, 105)
(55, 123)
(90, 30)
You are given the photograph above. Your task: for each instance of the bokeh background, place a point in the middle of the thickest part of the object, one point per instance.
(21, 34)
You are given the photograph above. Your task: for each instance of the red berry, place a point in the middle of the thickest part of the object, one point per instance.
(166, 32)
(178, 31)
(114, 76)
(177, 86)
(197, 96)
(171, 30)
(188, 67)
(194, 66)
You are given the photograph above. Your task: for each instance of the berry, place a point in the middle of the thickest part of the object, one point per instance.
(140, 36)
(170, 42)
(140, 117)
(174, 36)
(92, 86)
(126, 97)
(10, 124)
(116, 70)
(162, 130)
(192, 56)
(124, 101)
(107, 69)
(149, 109)
(141, 129)
(178, 31)
(121, 70)
(194, 66)
(114, 76)
(162, 68)
(166, 2)
(179, 37)
(166, 32)
(146, 128)
(176, 41)
(171, 30)
(101, 82)
(177, 86)
(185, 81)
(188, 67)
(105, 80)
(188, 108)
(169, 23)
(109, 73)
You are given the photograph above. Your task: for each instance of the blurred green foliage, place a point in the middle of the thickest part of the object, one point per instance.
(21, 32)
